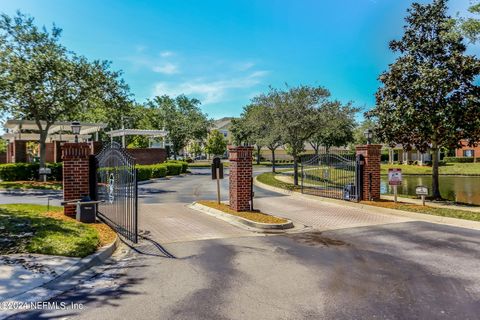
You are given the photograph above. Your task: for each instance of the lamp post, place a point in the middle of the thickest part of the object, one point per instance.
(368, 134)
(76, 126)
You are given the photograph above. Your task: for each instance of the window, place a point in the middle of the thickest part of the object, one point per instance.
(468, 153)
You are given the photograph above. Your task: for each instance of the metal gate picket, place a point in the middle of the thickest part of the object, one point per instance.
(117, 190)
(332, 173)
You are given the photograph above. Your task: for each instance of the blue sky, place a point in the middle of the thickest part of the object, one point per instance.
(225, 52)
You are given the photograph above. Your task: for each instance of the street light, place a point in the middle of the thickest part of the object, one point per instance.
(76, 126)
(368, 134)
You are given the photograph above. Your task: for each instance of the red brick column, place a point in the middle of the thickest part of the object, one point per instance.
(240, 188)
(371, 170)
(75, 173)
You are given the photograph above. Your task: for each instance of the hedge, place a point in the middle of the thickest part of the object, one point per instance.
(28, 171)
(170, 168)
(460, 159)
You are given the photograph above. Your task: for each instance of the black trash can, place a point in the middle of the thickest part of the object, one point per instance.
(86, 210)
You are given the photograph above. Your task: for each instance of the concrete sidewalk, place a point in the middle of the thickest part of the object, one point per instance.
(20, 273)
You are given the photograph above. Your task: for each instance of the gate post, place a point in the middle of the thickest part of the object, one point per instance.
(371, 171)
(75, 158)
(240, 179)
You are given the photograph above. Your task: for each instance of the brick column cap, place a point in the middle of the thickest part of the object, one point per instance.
(75, 150)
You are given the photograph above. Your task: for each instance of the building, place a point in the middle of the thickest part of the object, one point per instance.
(467, 152)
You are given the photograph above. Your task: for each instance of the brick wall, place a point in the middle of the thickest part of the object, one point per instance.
(240, 179)
(3, 157)
(19, 151)
(371, 170)
(49, 152)
(148, 155)
(460, 151)
(75, 158)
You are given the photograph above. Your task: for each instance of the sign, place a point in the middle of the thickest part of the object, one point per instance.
(44, 171)
(217, 167)
(421, 191)
(395, 177)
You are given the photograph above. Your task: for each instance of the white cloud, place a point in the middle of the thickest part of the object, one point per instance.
(165, 54)
(167, 68)
(209, 91)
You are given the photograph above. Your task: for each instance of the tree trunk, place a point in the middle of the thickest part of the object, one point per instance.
(295, 170)
(273, 160)
(43, 147)
(258, 154)
(435, 183)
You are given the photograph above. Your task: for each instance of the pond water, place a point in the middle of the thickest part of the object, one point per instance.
(455, 188)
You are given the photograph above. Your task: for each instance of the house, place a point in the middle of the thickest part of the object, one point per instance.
(467, 152)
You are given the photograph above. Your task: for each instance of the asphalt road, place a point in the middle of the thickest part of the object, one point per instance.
(404, 270)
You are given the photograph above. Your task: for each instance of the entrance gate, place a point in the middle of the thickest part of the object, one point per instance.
(116, 182)
(333, 174)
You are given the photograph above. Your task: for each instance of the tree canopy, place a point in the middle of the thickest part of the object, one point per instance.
(429, 98)
(216, 143)
(181, 117)
(41, 80)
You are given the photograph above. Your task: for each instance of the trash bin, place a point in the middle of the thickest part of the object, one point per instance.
(349, 192)
(86, 210)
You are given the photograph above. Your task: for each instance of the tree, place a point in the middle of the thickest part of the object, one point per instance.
(40, 80)
(429, 99)
(182, 118)
(265, 131)
(3, 145)
(216, 143)
(359, 133)
(196, 148)
(335, 126)
(295, 112)
(241, 132)
(470, 27)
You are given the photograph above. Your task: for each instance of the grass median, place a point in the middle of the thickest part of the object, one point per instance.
(443, 212)
(27, 228)
(255, 216)
(26, 185)
(464, 169)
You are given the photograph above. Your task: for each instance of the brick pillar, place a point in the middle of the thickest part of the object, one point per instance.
(240, 188)
(75, 173)
(371, 170)
(19, 151)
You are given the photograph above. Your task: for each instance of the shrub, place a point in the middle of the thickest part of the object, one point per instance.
(144, 172)
(159, 171)
(458, 160)
(183, 163)
(28, 171)
(173, 169)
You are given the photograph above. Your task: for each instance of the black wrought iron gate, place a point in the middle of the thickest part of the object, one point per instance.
(332, 173)
(117, 190)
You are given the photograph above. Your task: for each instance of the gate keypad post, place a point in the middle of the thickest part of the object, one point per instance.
(76, 170)
(371, 171)
(240, 179)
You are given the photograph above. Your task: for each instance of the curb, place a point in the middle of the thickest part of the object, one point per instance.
(47, 290)
(469, 224)
(242, 222)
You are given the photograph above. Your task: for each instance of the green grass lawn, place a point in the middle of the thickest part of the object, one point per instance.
(31, 229)
(25, 185)
(448, 169)
(443, 212)
(269, 178)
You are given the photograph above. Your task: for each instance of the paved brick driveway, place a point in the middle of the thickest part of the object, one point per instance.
(324, 215)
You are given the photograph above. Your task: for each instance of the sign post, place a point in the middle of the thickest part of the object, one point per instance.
(395, 179)
(217, 174)
(422, 191)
